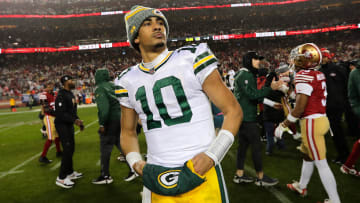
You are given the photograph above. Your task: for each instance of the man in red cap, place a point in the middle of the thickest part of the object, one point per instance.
(336, 82)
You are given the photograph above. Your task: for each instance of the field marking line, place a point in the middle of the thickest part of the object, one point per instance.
(56, 166)
(279, 195)
(6, 127)
(14, 172)
(36, 156)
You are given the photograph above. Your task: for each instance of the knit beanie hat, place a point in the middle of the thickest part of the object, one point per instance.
(136, 17)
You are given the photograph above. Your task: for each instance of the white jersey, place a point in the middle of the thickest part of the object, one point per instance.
(167, 95)
(231, 74)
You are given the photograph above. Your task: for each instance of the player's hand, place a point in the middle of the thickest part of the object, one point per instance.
(279, 131)
(202, 163)
(101, 130)
(278, 106)
(275, 85)
(139, 166)
(79, 123)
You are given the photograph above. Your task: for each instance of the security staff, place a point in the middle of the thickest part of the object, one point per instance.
(336, 82)
(66, 117)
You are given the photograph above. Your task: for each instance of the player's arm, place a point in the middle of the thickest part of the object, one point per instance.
(129, 140)
(300, 104)
(103, 106)
(304, 90)
(221, 96)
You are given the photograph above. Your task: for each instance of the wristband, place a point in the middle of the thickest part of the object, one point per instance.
(284, 89)
(220, 146)
(269, 102)
(291, 118)
(132, 158)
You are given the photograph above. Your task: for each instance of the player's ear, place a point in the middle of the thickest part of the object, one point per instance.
(137, 40)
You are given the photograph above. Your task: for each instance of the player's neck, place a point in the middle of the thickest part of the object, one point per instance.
(150, 55)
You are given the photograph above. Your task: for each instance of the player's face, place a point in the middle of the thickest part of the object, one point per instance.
(152, 34)
(256, 63)
(71, 84)
(50, 87)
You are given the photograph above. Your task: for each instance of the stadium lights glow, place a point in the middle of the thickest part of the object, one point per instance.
(107, 13)
(188, 39)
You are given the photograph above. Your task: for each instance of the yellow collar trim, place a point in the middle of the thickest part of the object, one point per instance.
(141, 65)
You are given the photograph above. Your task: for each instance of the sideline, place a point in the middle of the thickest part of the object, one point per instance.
(38, 110)
(14, 170)
(279, 195)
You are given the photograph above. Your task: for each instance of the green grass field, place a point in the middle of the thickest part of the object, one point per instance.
(24, 179)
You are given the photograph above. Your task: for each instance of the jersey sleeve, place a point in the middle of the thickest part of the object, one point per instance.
(205, 62)
(303, 84)
(121, 92)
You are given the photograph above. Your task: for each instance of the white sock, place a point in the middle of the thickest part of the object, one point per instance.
(328, 180)
(306, 172)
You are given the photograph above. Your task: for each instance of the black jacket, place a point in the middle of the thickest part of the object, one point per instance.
(336, 85)
(65, 107)
(271, 114)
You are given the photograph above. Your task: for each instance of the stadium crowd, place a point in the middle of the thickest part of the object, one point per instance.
(23, 73)
(52, 7)
(65, 32)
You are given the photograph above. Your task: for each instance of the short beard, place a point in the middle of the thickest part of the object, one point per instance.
(159, 45)
(71, 86)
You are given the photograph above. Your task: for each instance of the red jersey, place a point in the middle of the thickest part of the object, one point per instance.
(313, 84)
(48, 102)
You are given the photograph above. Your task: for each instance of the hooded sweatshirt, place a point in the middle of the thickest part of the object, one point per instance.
(246, 91)
(354, 90)
(106, 101)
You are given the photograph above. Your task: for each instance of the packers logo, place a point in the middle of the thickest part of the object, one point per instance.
(169, 179)
(157, 12)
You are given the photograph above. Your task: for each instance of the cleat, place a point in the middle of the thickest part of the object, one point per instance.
(350, 171)
(64, 183)
(242, 179)
(131, 176)
(266, 181)
(101, 180)
(44, 160)
(75, 175)
(295, 186)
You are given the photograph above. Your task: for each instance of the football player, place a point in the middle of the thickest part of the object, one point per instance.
(310, 108)
(169, 91)
(47, 100)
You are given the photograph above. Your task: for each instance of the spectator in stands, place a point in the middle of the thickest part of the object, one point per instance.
(336, 82)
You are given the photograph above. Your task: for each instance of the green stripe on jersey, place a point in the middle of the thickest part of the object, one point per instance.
(204, 65)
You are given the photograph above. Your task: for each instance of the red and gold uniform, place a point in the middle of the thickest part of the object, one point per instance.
(48, 104)
(314, 123)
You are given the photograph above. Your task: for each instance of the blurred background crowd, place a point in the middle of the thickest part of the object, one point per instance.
(27, 73)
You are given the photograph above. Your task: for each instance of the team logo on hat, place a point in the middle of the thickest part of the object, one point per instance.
(157, 12)
(169, 179)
